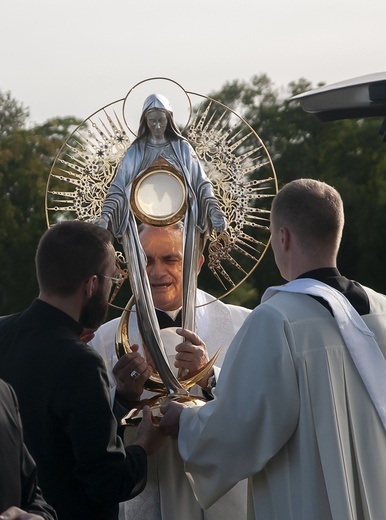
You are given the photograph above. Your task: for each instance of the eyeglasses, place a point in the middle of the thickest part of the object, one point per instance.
(116, 280)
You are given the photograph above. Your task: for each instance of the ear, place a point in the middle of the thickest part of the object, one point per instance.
(200, 263)
(285, 238)
(90, 285)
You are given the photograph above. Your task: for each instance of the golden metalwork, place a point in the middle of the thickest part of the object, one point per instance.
(235, 160)
(154, 384)
(158, 195)
(233, 156)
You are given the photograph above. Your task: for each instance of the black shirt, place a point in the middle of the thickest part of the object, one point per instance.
(62, 388)
(165, 321)
(352, 290)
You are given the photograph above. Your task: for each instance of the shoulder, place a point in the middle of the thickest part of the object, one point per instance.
(238, 310)
(7, 322)
(81, 371)
(72, 354)
(227, 317)
(377, 300)
(6, 392)
(206, 298)
(9, 406)
(84, 353)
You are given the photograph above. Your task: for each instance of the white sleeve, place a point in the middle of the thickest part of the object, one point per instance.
(254, 413)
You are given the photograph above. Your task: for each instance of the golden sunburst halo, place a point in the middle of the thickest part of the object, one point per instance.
(232, 154)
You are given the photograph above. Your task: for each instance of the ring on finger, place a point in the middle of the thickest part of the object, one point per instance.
(134, 375)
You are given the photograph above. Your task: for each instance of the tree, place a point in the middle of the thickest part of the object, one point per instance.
(12, 114)
(26, 156)
(348, 154)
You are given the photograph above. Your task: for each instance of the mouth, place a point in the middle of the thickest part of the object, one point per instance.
(161, 285)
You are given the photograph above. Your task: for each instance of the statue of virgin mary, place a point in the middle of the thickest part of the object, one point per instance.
(159, 142)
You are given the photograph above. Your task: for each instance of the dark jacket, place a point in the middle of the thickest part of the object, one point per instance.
(62, 388)
(18, 483)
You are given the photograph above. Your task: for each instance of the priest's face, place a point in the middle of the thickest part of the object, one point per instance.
(163, 247)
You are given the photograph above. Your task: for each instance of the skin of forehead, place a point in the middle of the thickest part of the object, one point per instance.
(154, 237)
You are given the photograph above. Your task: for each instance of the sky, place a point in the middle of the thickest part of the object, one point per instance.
(72, 58)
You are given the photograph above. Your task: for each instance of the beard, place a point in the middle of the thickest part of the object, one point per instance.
(94, 311)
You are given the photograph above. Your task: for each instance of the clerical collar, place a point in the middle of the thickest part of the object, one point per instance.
(168, 318)
(172, 314)
(351, 289)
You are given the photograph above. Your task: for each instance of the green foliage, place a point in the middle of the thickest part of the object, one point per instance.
(349, 155)
(26, 157)
(12, 114)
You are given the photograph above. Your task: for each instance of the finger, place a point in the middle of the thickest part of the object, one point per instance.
(187, 346)
(126, 359)
(190, 336)
(146, 413)
(136, 372)
(144, 372)
(191, 361)
(148, 416)
(187, 352)
(171, 405)
(165, 407)
(187, 357)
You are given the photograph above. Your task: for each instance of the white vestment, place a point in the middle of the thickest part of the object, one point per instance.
(168, 494)
(294, 417)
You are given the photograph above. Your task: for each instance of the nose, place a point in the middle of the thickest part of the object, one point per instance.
(156, 269)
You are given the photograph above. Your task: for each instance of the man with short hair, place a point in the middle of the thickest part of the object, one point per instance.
(168, 495)
(61, 383)
(301, 399)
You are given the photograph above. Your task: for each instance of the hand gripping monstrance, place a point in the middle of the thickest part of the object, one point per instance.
(214, 179)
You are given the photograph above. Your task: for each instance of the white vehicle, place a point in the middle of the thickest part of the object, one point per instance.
(364, 96)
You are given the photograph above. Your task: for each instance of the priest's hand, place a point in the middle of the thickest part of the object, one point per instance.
(191, 353)
(130, 372)
(170, 422)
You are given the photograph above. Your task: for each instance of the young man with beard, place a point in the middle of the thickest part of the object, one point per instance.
(61, 383)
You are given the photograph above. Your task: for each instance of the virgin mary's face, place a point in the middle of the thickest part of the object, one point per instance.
(157, 123)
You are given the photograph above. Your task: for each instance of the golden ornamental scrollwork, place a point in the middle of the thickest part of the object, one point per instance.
(242, 176)
(233, 156)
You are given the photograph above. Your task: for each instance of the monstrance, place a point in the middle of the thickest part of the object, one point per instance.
(243, 178)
